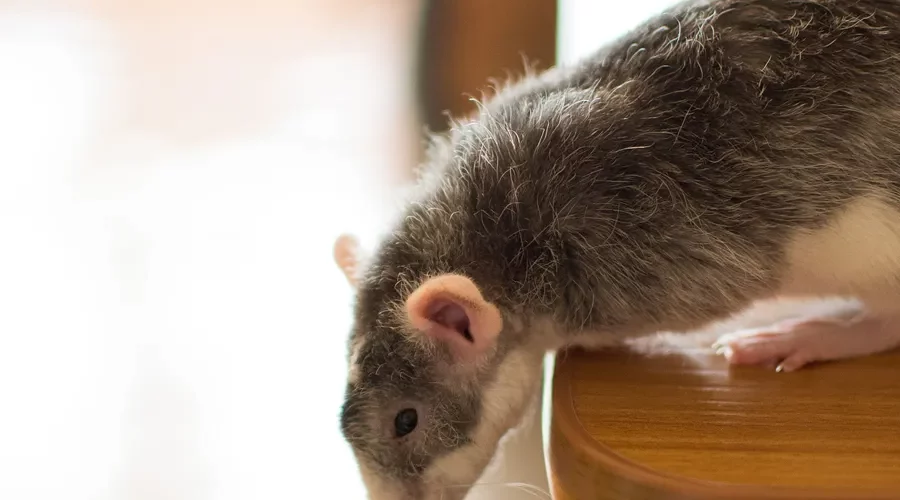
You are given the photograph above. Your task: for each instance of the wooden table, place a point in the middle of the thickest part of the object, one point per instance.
(670, 420)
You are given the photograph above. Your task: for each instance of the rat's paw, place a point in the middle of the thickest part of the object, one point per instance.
(784, 350)
(789, 346)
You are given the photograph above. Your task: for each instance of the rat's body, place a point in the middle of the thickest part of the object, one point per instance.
(724, 153)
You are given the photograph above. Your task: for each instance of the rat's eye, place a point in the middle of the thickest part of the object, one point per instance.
(405, 422)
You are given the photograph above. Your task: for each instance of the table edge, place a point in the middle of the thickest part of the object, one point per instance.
(571, 437)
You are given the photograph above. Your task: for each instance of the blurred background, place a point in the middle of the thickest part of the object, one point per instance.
(173, 174)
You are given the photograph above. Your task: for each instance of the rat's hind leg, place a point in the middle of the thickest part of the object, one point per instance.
(789, 345)
(823, 263)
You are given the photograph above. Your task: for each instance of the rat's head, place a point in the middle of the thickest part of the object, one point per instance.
(433, 385)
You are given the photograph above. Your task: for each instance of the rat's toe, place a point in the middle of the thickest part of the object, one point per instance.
(756, 348)
(793, 362)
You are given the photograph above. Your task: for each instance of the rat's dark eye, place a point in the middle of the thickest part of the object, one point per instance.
(405, 422)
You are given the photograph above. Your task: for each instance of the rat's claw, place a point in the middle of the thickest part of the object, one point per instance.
(792, 363)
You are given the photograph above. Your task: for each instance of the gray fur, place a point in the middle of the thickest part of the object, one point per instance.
(653, 185)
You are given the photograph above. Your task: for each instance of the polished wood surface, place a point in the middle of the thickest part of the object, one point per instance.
(669, 419)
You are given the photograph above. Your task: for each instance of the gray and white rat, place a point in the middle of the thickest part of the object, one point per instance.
(723, 153)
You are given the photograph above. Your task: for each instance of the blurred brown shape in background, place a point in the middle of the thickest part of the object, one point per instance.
(466, 43)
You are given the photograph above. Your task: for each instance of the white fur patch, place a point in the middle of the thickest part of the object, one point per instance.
(856, 255)
(505, 402)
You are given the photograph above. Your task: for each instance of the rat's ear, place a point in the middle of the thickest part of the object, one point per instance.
(449, 308)
(347, 256)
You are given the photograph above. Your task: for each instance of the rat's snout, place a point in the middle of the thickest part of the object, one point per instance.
(446, 494)
(380, 487)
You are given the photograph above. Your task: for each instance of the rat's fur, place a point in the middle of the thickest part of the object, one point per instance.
(664, 183)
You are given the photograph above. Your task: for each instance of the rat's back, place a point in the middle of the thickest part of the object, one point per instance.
(712, 134)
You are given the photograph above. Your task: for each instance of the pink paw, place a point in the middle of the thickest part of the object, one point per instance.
(788, 346)
(784, 351)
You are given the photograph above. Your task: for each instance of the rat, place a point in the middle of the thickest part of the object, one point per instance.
(722, 153)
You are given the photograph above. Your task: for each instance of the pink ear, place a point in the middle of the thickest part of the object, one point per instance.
(450, 309)
(347, 255)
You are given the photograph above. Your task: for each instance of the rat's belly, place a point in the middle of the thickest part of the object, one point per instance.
(857, 255)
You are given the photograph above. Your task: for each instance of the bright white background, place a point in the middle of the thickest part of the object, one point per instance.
(172, 176)
(585, 25)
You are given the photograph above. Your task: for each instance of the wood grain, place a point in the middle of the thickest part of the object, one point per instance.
(669, 419)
